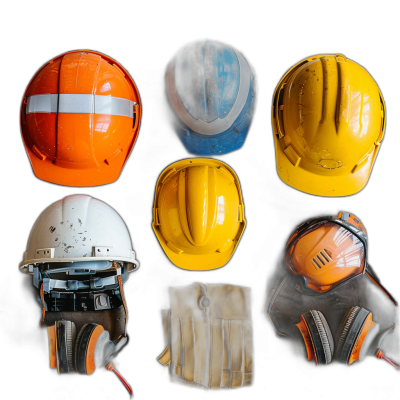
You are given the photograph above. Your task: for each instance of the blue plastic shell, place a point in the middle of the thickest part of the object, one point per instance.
(207, 84)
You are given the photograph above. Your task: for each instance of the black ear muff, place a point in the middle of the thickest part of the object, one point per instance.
(349, 332)
(92, 347)
(65, 338)
(317, 337)
(82, 347)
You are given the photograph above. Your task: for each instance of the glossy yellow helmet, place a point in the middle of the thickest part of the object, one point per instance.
(328, 118)
(198, 213)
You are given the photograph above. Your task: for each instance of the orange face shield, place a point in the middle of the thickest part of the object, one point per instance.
(330, 251)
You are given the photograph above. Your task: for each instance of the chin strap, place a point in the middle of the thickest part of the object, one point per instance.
(379, 354)
(121, 290)
(43, 305)
(110, 367)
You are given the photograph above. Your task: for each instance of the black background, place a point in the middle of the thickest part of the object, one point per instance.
(144, 43)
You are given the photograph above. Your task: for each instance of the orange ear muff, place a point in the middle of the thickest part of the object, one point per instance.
(355, 334)
(365, 337)
(302, 326)
(86, 347)
(317, 337)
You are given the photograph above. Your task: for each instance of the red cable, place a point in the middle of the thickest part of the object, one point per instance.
(391, 362)
(379, 354)
(124, 382)
(110, 366)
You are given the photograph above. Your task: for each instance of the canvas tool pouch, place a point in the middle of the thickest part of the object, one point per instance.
(209, 336)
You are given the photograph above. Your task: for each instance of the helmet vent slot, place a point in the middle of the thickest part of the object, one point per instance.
(316, 264)
(320, 259)
(327, 255)
(324, 257)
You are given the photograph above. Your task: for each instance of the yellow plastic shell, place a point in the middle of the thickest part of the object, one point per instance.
(328, 118)
(198, 214)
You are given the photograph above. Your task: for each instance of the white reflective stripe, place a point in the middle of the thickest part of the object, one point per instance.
(42, 103)
(80, 104)
(113, 106)
(76, 103)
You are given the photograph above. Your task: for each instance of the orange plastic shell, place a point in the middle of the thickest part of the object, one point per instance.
(90, 364)
(52, 346)
(326, 256)
(355, 353)
(75, 149)
(302, 326)
(353, 221)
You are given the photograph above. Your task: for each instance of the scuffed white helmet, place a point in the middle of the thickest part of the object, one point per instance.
(79, 229)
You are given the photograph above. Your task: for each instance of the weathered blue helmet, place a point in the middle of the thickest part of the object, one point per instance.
(210, 88)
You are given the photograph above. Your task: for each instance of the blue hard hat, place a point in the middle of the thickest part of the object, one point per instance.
(210, 88)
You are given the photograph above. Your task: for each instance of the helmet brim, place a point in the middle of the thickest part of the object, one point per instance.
(47, 171)
(199, 262)
(24, 265)
(319, 185)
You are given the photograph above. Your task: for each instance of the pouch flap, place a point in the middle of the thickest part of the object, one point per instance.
(166, 327)
(229, 302)
(184, 301)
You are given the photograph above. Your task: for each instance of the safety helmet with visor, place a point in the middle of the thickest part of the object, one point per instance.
(328, 252)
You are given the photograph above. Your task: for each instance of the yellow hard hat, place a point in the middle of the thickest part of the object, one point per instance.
(198, 213)
(328, 118)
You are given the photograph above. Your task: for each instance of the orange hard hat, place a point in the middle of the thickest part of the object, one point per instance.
(80, 117)
(328, 252)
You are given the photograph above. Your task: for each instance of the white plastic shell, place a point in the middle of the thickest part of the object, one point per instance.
(79, 228)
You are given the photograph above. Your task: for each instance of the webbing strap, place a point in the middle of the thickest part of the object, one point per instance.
(188, 349)
(43, 305)
(248, 354)
(237, 349)
(121, 290)
(166, 317)
(217, 353)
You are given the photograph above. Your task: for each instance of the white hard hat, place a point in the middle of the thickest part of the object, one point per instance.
(80, 229)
